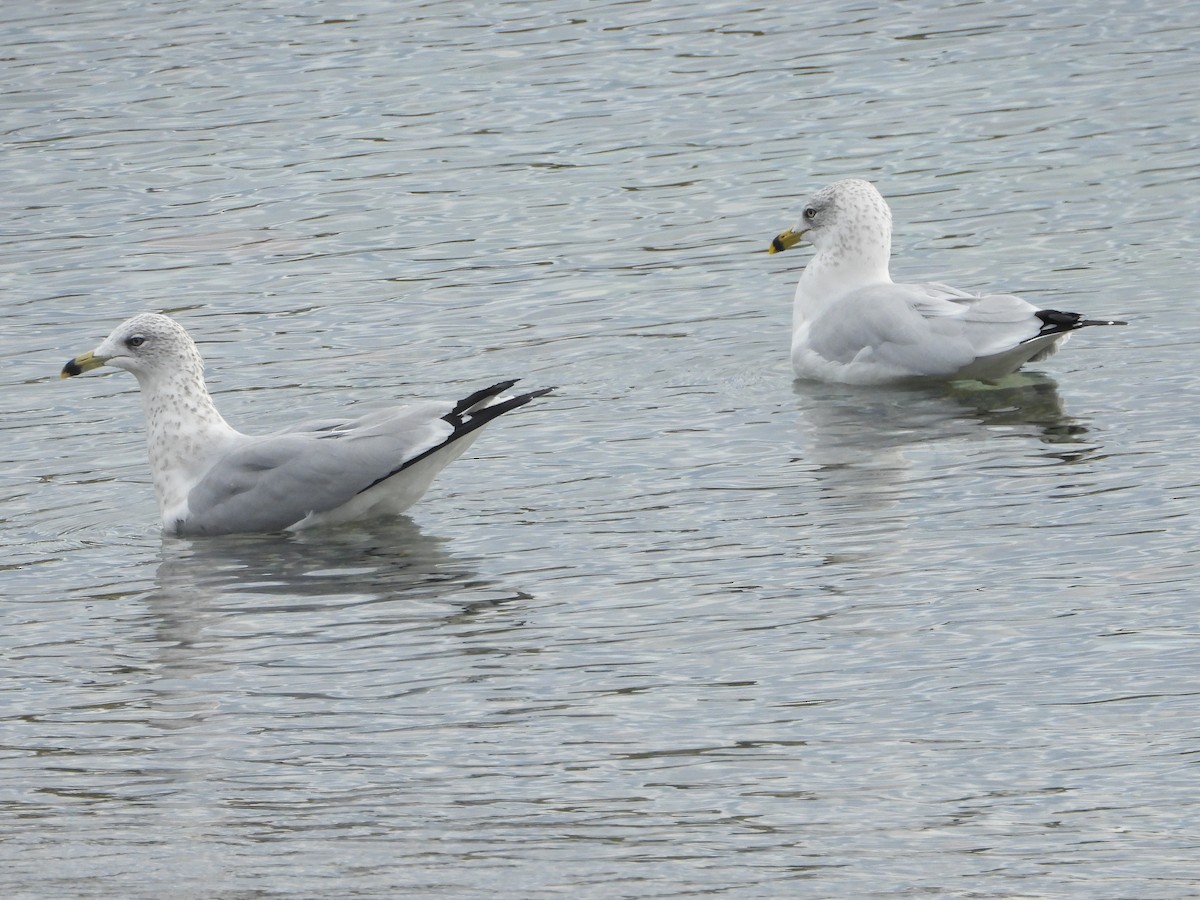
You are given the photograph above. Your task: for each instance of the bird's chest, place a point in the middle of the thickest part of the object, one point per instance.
(181, 451)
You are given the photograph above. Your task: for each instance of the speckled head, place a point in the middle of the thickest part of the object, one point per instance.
(844, 212)
(149, 345)
(845, 219)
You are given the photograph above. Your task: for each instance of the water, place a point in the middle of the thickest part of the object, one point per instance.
(686, 627)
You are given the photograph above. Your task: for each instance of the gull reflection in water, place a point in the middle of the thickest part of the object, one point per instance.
(388, 576)
(886, 463)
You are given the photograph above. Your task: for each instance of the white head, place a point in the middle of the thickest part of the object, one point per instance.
(845, 219)
(154, 348)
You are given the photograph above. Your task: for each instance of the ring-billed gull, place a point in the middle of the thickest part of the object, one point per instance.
(212, 479)
(851, 323)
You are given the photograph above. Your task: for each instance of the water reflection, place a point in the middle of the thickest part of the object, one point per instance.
(389, 559)
(851, 423)
(894, 469)
(346, 580)
(1025, 401)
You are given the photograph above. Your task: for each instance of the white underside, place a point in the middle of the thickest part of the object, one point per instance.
(862, 370)
(396, 494)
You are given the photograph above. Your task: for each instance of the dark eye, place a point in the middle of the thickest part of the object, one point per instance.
(136, 341)
(810, 213)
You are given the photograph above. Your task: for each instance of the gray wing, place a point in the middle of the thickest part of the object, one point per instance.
(271, 482)
(922, 329)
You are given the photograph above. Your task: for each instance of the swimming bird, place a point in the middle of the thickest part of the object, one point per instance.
(851, 323)
(212, 479)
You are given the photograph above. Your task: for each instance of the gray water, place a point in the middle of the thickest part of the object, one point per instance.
(686, 627)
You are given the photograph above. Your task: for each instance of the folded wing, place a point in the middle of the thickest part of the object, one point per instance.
(271, 482)
(275, 481)
(917, 330)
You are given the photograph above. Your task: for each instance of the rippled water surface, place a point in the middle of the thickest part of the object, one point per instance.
(685, 627)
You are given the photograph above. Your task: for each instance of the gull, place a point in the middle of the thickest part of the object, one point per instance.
(212, 479)
(852, 324)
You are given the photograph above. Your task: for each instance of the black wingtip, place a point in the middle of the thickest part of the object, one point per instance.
(1057, 322)
(540, 392)
(464, 419)
(479, 396)
(470, 418)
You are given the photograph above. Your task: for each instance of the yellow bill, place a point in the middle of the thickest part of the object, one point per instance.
(84, 362)
(785, 240)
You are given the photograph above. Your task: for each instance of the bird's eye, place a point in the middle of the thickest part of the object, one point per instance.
(810, 213)
(136, 341)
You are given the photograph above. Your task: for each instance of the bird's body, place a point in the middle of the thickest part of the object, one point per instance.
(212, 479)
(851, 323)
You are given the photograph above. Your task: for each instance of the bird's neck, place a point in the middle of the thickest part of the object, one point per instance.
(184, 434)
(830, 276)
